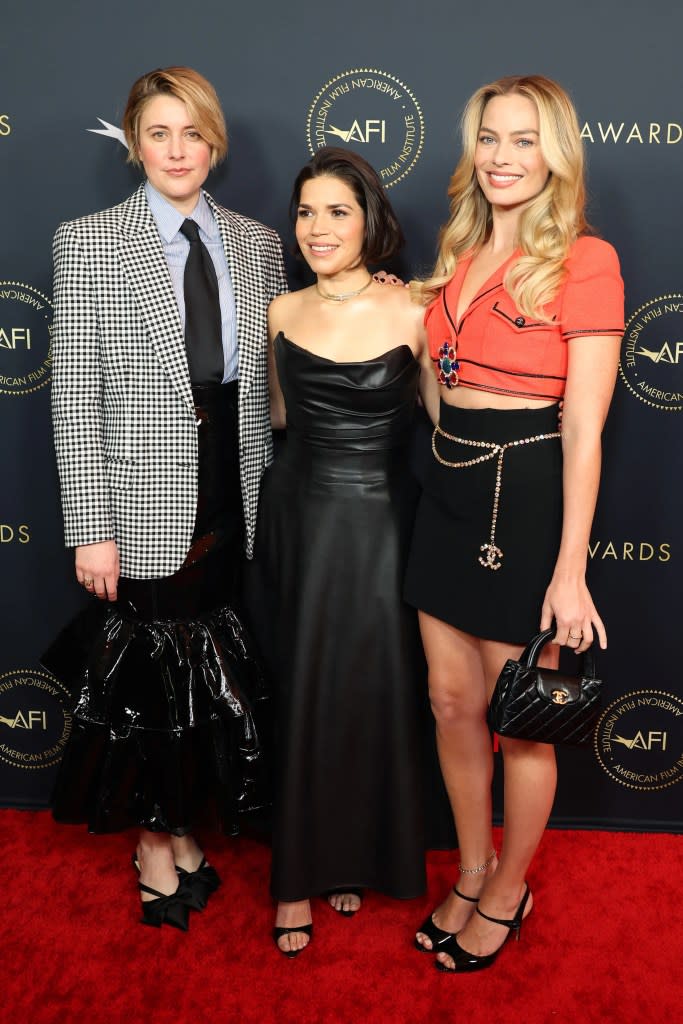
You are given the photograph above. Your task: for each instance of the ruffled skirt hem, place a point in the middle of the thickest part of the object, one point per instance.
(169, 723)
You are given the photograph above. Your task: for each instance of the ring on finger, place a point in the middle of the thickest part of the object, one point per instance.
(87, 582)
(574, 637)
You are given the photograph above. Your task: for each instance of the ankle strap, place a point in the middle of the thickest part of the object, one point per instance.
(154, 892)
(496, 920)
(516, 920)
(470, 899)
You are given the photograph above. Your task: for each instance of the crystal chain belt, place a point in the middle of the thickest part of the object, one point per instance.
(493, 554)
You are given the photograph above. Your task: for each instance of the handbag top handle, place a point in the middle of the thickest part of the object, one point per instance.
(538, 642)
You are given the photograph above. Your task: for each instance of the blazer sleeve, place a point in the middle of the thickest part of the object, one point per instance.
(276, 278)
(77, 396)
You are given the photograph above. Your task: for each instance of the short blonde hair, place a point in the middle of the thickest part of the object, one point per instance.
(192, 89)
(552, 221)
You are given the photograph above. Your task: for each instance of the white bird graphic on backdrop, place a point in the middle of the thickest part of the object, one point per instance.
(110, 131)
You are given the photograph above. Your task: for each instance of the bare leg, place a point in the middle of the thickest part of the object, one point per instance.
(157, 866)
(289, 915)
(187, 854)
(530, 776)
(457, 690)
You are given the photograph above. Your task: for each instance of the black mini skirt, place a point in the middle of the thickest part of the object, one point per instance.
(501, 599)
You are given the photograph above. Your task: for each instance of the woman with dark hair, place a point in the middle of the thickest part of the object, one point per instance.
(334, 525)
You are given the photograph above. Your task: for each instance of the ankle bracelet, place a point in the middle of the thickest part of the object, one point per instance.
(480, 868)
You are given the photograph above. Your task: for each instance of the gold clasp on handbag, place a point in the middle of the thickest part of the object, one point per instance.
(559, 696)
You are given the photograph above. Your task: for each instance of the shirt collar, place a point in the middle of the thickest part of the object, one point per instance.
(168, 219)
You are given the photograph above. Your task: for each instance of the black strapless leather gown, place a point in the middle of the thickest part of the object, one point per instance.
(334, 528)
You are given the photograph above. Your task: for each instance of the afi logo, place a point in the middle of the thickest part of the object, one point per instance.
(667, 353)
(373, 127)
(655, 738)
(15, 336)
(26, 721)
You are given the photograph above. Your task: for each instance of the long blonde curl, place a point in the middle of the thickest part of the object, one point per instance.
(548, 226)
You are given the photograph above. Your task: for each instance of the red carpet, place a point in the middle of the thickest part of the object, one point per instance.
(603, 943)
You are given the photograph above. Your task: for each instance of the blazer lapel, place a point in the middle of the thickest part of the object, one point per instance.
(243, 266)
(492, 284)
(144, 264)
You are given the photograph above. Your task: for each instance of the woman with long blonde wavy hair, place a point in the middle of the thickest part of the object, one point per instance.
(524, 310)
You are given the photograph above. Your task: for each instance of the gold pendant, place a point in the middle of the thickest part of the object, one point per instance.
(492, 553)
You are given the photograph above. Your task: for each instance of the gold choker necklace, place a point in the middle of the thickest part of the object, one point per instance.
(343, 296)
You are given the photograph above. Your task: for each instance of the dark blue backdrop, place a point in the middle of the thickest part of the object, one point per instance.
(64, 68)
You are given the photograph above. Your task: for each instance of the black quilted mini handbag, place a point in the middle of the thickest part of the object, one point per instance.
(541, 704)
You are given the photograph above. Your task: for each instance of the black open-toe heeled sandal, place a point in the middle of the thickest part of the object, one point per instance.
(466, 963)
(278, 932)
(437, 935)
(340, 892)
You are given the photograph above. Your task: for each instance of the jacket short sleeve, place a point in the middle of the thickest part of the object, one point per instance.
(593, 291)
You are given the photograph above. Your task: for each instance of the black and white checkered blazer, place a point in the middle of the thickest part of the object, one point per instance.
(124, 422)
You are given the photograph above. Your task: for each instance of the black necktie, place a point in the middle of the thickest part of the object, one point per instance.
(203, 333)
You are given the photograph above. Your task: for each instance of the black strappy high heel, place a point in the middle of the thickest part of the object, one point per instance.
(437, 935)
(464, 962)
(278, 932)
(339, 892)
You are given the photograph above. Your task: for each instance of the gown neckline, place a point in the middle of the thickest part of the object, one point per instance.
(346, 362)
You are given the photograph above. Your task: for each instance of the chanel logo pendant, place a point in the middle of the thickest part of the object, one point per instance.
(492, 553)
(493, 556)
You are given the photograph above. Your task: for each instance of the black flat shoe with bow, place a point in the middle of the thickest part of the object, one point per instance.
(173, 909)
(200, 883)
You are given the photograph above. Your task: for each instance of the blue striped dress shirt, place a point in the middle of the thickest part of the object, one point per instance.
(176, 247)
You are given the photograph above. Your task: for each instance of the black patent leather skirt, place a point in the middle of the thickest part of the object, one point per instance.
(171, 711)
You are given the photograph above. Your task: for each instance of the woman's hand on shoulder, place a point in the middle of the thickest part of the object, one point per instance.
(569, 603)
(97, 568)
(381, 277)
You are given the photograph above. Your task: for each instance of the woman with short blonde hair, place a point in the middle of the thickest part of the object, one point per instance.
(160, 413)
(192, 89)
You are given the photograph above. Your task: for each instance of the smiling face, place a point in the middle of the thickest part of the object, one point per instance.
(330, 226)
(175, 157)
(508, 160)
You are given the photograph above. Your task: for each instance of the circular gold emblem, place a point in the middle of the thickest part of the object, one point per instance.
(25, 338)
(374, 113)
(638, 740)
(651, 364)
(34, 722)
